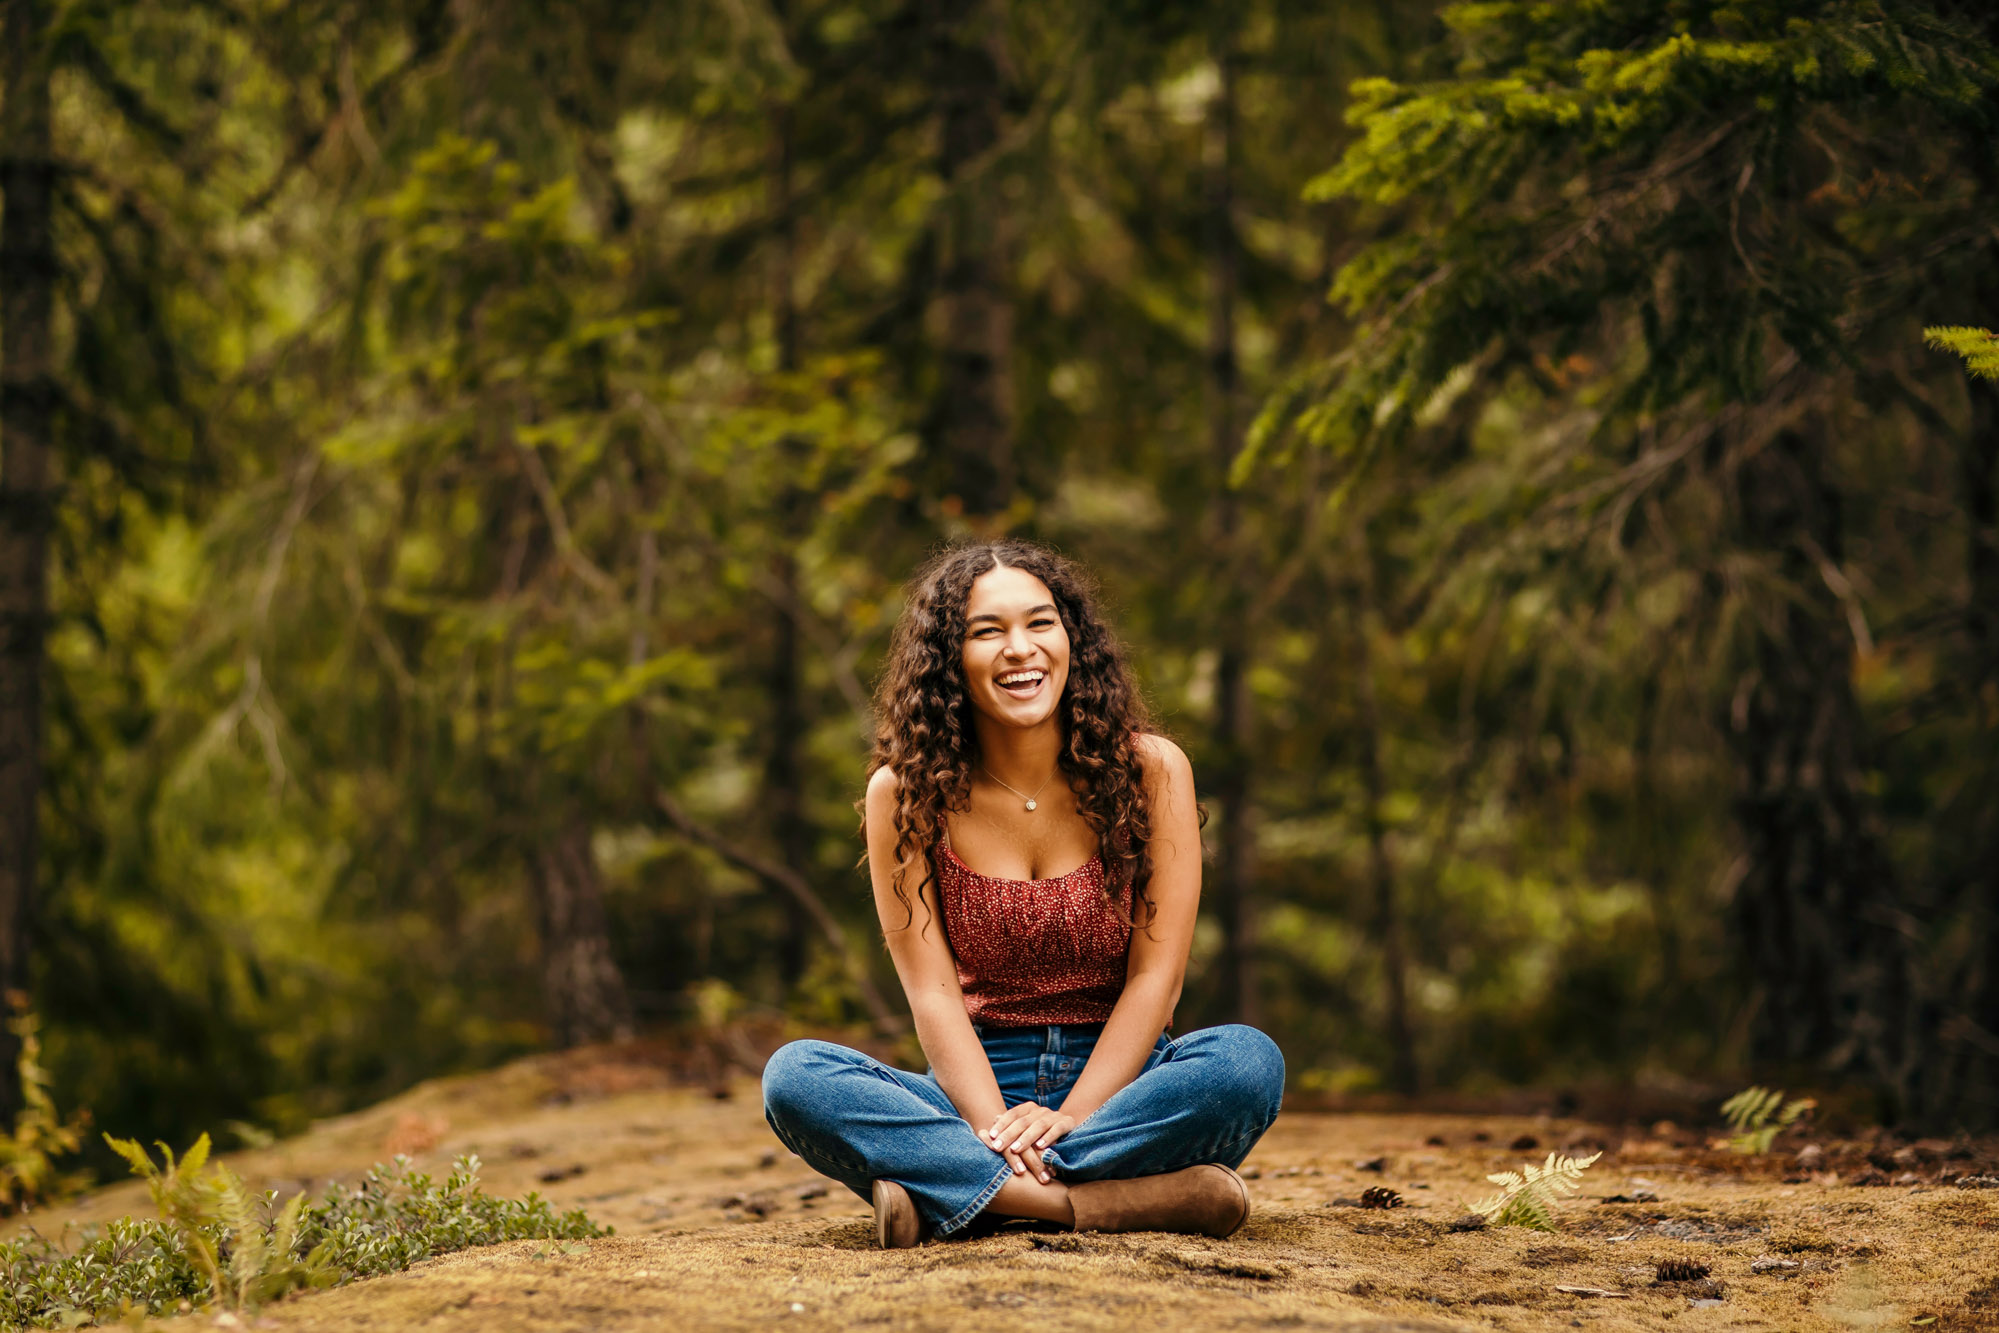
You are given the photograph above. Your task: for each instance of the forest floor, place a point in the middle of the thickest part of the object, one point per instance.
(717, 1227)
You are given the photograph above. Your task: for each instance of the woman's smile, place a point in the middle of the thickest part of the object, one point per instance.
(1022, 684)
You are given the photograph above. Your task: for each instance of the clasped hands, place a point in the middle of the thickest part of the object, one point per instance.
(1022, 1133)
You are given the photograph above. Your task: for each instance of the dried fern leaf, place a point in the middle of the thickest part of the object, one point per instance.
(1527, 1199)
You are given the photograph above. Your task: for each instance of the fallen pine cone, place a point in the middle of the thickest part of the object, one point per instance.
(1679, 1270)
(1380, 1196)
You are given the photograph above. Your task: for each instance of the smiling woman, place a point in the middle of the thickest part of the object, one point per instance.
(1043, 997)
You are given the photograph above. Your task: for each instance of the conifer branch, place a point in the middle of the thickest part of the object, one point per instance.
(1978, 347)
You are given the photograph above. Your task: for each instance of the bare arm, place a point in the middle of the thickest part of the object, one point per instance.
(1154, 968)
(1157, 963)
(927, 970)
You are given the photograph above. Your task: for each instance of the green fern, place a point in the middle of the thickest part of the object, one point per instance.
(1527, 1199)
(1978, 347)
(215, 1214)
(1758, 1116)
(27, 1156)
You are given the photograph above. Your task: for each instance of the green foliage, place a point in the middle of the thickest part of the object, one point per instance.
(215, 1216)
(1978, 347)
(28, 1173)
(1527, 1198)
(537, 418)
(217, 1244)
(1643, 275)
(1759, 1115)
(397, 1217)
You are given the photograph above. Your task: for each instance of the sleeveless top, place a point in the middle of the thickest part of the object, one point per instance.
(1033, 951)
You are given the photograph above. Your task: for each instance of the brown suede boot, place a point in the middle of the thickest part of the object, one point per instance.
(1203, 1200)
(898, 1226)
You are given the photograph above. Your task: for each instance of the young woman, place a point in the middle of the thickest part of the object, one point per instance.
(1036, 858)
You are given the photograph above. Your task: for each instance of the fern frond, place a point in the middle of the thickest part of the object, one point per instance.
(1759, 1115)
(249, 1248)
(283, 1271)
(1527, 1199)
(284, 1232)
(1750, 1107)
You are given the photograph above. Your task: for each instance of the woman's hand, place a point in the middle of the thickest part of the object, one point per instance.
(1023, 1132)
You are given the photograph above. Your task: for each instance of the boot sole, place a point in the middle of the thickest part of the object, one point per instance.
(886, 1196)
(1242, 1189)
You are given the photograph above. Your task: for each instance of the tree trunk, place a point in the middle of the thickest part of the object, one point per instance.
(784, 769)
(583, 990)
(1817, 911)
(1381, 867)
(27, 412)
(1981, 502)
(1235, 859)
(784, 237)
(1235, 850)
(1960, 1062)
(971, 420)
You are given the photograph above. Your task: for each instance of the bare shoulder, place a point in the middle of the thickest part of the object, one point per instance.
(883, 785)
(1165, 762)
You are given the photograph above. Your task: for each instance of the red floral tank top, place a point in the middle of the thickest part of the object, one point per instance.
(1033, 951)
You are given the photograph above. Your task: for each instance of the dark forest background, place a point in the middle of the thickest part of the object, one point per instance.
(457, 459)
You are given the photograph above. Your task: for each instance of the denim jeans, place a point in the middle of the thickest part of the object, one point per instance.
(1204, 1097)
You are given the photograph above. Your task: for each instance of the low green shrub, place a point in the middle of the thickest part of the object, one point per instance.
(216, 1245)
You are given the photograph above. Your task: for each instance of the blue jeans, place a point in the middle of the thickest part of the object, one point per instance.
(1204, 1097)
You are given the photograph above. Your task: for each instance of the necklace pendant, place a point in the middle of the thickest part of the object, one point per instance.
(1030, 805)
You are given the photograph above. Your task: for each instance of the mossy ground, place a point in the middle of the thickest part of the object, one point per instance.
(719, 1228)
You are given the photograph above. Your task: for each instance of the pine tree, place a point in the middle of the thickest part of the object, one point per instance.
(1695, 243)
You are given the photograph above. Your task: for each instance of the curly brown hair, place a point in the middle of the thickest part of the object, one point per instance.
(924, 733)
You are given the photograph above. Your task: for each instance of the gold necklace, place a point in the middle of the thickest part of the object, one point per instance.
(1017, 791)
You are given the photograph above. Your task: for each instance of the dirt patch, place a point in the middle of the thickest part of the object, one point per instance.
(719, 1228)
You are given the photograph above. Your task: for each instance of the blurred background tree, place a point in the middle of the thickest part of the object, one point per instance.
(456, 464)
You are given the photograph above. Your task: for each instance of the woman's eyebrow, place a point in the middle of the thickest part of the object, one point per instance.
(1031, 611)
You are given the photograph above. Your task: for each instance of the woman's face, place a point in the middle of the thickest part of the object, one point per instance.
(1016, 653)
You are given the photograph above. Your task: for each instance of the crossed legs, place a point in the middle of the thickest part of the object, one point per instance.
(1205, 1099)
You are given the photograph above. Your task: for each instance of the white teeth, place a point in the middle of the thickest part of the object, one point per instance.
(1022, 678)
